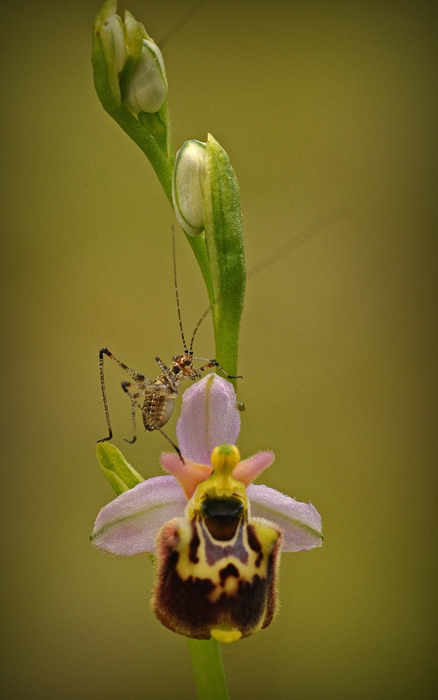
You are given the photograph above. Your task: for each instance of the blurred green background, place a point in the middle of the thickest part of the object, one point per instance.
(328, 113)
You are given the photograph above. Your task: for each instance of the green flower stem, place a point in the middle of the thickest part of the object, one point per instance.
(161, 158)
(208, 670)
(218, 251)
(163, 166)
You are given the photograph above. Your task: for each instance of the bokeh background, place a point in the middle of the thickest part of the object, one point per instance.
(328, 113)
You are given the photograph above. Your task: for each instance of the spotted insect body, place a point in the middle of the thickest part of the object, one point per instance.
(154, 399)
(159, 395)
(217, 567)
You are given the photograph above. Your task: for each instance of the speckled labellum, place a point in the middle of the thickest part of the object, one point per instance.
(216, 568)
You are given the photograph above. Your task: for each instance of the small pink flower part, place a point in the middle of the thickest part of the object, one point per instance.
(128, 525)
(209, 418)
(188, 474)
(249, 469)
(300, 523)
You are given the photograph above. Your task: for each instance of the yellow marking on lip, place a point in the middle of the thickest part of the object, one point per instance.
(229, 587)
(226, 635)
(203, 570)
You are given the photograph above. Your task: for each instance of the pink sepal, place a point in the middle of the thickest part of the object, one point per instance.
(188, 474)
(128, 525)
(209, 417)
(300, 523)
(249, 469)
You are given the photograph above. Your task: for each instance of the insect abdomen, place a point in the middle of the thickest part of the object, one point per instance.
(157, 409)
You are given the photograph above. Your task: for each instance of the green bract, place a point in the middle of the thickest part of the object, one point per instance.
(225, 248)
(119, 473)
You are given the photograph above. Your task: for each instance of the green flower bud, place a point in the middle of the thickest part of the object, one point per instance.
(188, 187)
(109, 43)
(146, 90)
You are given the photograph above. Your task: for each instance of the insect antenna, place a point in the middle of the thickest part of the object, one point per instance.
(180, 24)
(206, 312)
(294, 242)
(176, 292)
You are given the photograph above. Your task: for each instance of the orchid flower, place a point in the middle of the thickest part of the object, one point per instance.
(216, 536)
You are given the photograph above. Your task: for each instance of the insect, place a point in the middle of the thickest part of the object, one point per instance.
(155, 398)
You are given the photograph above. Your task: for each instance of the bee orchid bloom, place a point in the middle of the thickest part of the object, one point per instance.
(216, 536)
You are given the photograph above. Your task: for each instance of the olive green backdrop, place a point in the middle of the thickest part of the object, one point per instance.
(328, 113)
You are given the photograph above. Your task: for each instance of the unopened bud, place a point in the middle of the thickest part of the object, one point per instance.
(188, 187)
(115, 30)
(134, 35)
(109, 39)
(147, 87)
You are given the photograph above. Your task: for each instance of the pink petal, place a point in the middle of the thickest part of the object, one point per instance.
(299, 522)
(249, 469)
(209, 418)
(128, 525)
(189, 474)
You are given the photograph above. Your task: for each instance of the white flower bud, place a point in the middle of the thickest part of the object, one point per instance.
(188, 187)
(147, 87)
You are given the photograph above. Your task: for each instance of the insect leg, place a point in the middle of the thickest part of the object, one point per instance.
(137, 376)
(134, 404)
(175, 447)
(215, 363)
(163, 367)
